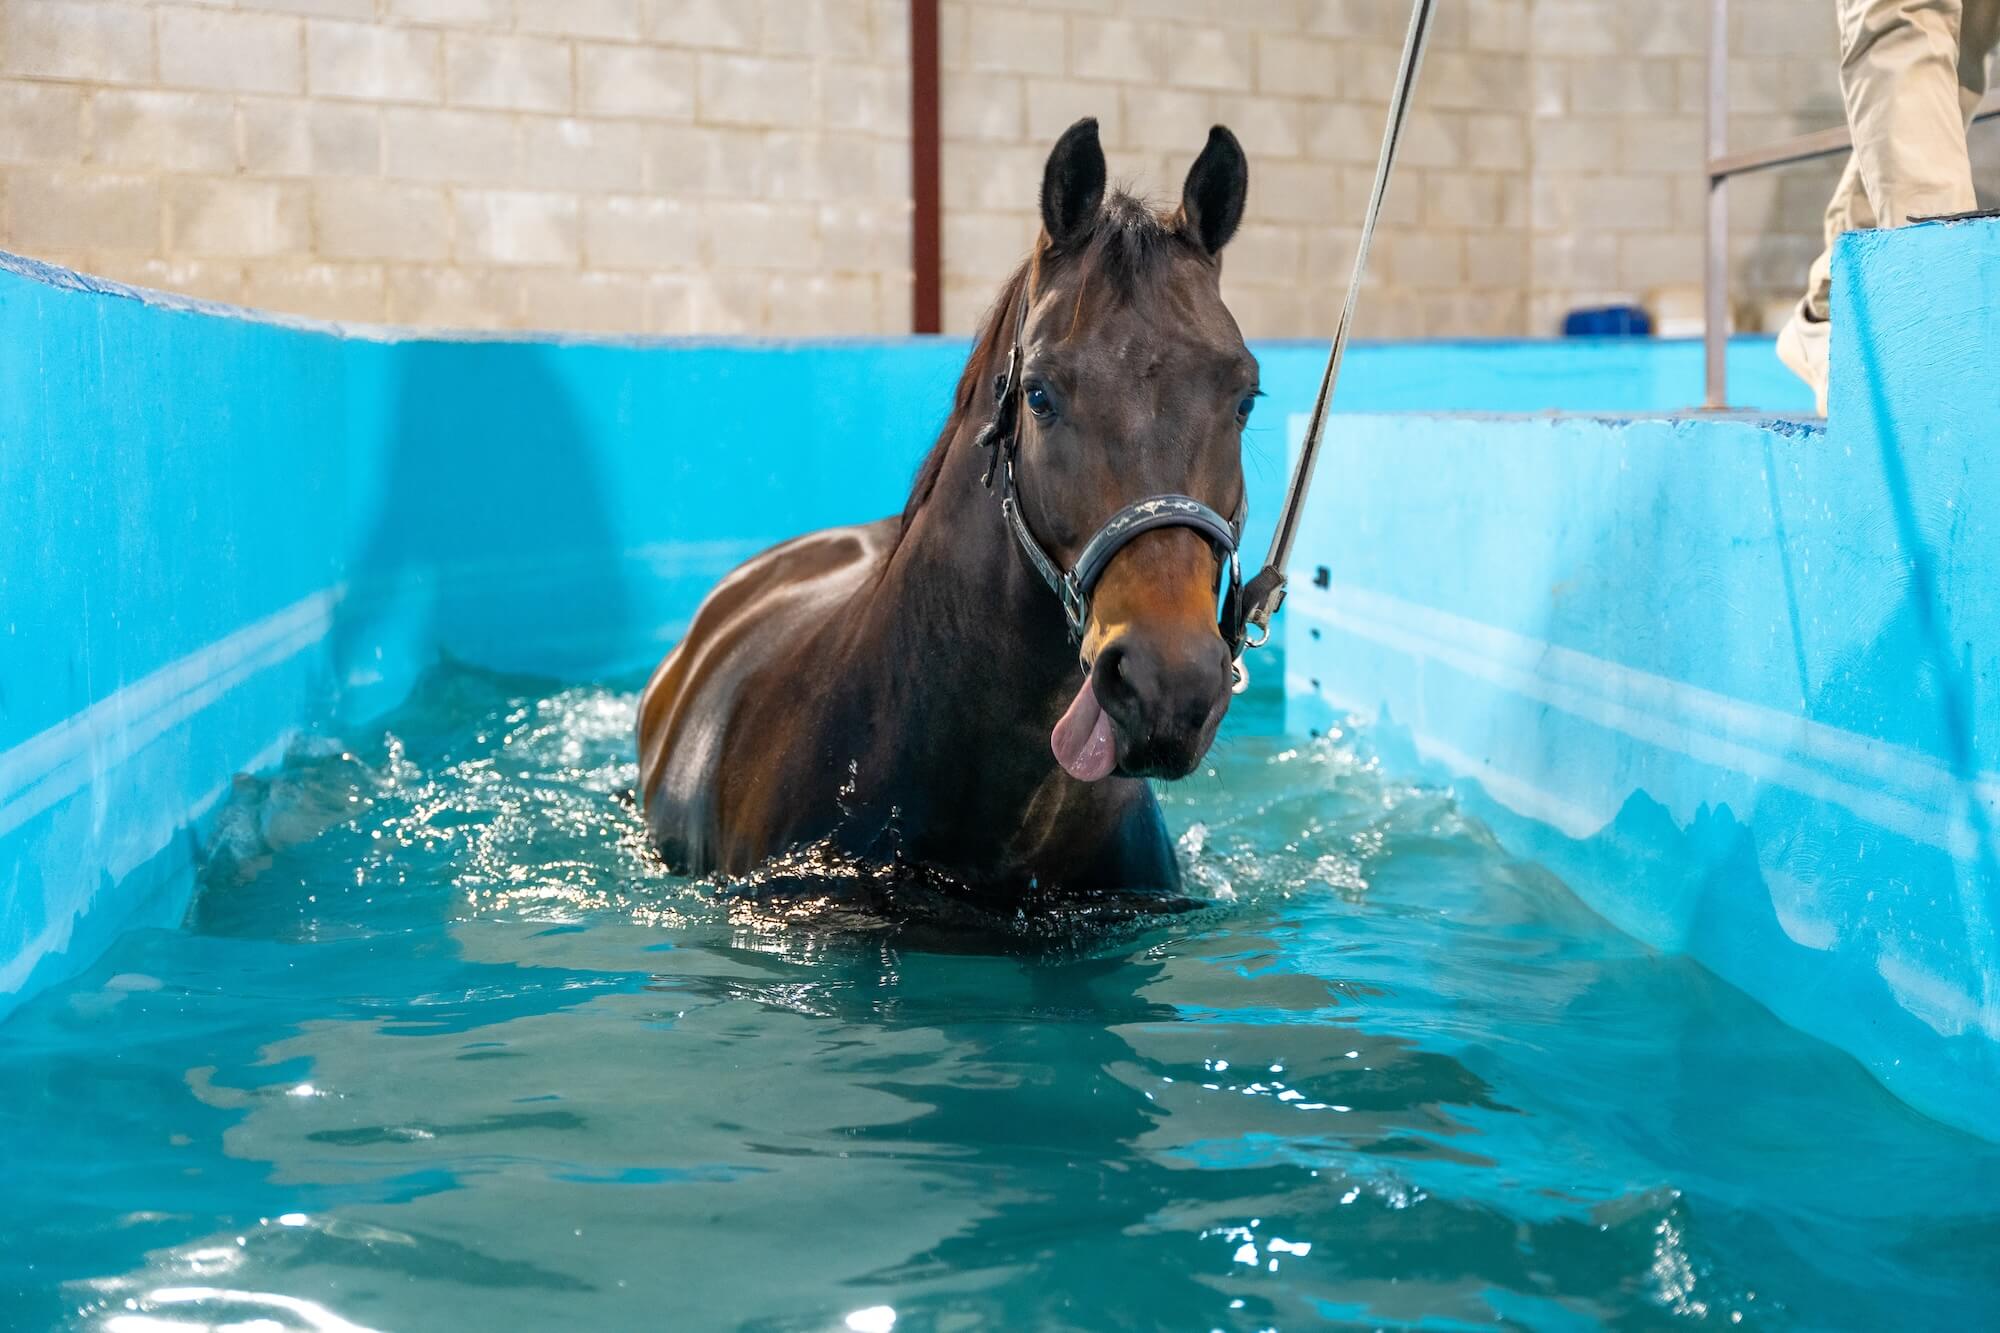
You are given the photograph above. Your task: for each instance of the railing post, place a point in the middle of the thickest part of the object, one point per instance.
(1715, 259)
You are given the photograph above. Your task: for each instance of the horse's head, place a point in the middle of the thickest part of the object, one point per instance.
(1135, 382)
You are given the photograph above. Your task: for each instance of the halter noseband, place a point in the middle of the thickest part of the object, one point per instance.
(1073, 588)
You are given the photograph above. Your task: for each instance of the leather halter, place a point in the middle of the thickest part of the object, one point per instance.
(1073, 587)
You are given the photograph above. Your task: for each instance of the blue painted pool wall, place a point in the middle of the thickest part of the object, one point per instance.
(216, 531)
(1732, 679)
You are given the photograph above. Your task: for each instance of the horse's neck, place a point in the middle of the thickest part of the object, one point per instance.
(976, 649)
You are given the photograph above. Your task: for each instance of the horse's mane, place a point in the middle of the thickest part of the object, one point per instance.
(1129, 244)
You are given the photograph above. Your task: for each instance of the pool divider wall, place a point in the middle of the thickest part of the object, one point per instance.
(1732, 679)
(219, 529)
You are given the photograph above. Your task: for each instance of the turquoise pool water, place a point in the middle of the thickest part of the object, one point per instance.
(441, 1047)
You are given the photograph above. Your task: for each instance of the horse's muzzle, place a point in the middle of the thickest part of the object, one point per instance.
(1165, 696)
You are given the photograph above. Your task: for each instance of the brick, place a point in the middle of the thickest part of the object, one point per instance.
(635, 81)
(1497, 260)
(1117, 49)
(381, 220)
(1053, 105)
(1215, 58)
(1425, 259)
(356, 293)
(1497, 25)
(1267, 252)
(1267, 126)
(517, 227)
(1573, 260)
(1496, 143)
(752, 234)
(639, 232)
(1785, 30)
(1582, 144)
(869, 99)
(1297, 192)
(40, 122)
(819, 166)
(583, 302)
(716, 24)
(895, 304)
(296, 138)
(1640, 87)
(991, 177)
(511, 73)
(450, 147)
(1663, 259)
(458, 298)
(1361, 20)
(1296, 65)
(230, 51)
(1675, 28)
(864, 237)
(747, 90)
(453, 13)
(1574, 27)
(328, 9)
(1166, 118)
(708, 303)
(69, 210)
(594, 155)
(837, 29)
(1340, 132)
(206, 279)
(691, 160)
(1433, 140)
(982, 107)
(162, 131)
(810, 304)
(61, 39)
(580, 18)
(889, 30)
(1462, 200)
(1014, 41)
(377, 63)
(1662, 144)
(236, 218)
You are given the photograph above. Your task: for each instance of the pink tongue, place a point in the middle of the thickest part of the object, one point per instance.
(1082, 740)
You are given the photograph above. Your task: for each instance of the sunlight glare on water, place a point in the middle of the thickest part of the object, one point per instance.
(442, 1046)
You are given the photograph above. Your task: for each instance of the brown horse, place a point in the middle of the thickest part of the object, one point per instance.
(906, 691)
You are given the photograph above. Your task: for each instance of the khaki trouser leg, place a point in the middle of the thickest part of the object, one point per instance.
(1911, 73)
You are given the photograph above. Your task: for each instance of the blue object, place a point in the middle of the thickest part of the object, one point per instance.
(1731, 679)
(1611, 321)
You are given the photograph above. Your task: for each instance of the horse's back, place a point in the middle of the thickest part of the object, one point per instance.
(766, 608)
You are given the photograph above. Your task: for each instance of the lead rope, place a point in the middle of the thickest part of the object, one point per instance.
(1265, 593)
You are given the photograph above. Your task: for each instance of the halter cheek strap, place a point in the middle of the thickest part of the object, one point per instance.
(1073, 588)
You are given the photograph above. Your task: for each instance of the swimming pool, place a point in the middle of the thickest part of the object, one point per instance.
(403, 584)
(442, 1047)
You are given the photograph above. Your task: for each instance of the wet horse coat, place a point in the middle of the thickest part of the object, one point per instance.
(907, 690)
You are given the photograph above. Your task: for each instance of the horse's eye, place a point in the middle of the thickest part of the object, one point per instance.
(1039, 401)
(1243, 408)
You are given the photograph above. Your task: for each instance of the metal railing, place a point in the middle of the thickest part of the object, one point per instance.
(1722, 165)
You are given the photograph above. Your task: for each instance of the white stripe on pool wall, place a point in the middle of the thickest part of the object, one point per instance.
(1891, 785)
(62, 760)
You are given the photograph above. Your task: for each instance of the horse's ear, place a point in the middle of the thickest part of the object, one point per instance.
(1073, 184)
(1217, 184)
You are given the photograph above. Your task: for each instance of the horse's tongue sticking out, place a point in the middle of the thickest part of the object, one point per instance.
(1082, 739)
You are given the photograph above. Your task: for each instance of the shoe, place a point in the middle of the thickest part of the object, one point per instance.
(1802, 346)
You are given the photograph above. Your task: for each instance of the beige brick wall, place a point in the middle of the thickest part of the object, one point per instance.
(614, 165)
(742, 165)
